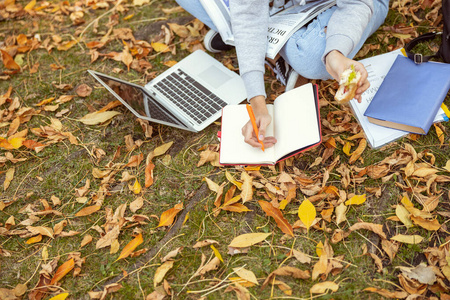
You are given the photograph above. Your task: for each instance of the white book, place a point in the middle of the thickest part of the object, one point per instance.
(377, 68)
(295, 124)
(283, 22)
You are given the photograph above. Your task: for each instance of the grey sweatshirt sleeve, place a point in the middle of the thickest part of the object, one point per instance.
(346, 25)
(250, 20)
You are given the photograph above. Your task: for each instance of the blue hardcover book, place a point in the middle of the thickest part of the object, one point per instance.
(410, 95)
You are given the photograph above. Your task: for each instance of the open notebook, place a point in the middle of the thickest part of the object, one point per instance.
(190, 95)
(295, 124)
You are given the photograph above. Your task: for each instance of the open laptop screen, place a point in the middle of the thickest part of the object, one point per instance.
(136, 99)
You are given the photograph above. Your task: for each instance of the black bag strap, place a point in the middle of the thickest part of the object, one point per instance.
(418, 58)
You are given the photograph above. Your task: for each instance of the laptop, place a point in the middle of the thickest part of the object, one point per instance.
(190, 95)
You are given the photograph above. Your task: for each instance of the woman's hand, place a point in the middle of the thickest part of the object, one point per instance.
(263, 119)
(336, 63)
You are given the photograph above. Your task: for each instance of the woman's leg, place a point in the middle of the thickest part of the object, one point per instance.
(196, 9)
(304, 50)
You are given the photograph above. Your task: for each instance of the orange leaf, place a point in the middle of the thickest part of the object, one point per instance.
(357, 153)
(62, 271)
(8, 61)
(131, 246)
(34, 239)
(30, 5)
(67, 45)
(275, 213)
(168, 216)
(440, 134)
(149, 174)
(87, 210)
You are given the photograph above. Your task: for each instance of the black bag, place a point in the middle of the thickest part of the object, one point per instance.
(444, 49)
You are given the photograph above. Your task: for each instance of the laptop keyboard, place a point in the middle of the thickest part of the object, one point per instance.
(192, 97)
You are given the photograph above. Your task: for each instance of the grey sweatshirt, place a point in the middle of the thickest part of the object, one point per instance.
(250, 19)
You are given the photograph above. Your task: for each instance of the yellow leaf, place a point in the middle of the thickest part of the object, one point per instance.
(161, 271)
(307, 213)
(168, 216)
(162, 149)
(131, 246)
(17, 142)
(62, 271)
(407, 239)
(45, 101)
(447, 165)
(34, 239)
(406, 202)
(439, 133)
(170, 63)
(248, 239)
(357, 153)
(356, 200)
(403, 214)
(323, 287)
(136, 187)
(66, 45)
(246, 275)
(346, 148)
(232, 180)
(98, 117)
(216, 252)
(61, 296)
(30, 5)
(160, 47)
(319, 248)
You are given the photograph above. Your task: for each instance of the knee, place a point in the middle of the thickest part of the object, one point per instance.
(309, 65)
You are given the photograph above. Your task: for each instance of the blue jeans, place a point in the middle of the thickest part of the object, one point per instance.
(304, 49)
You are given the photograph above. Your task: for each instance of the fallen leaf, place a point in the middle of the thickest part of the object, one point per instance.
(8, 61)
(34, 239)
(407, 239)
(403, 214)
(356, 200)
(136, 204)
(87, 210)
(216, 253)
(62, 271)
(98, 117)
(248, 239)
(432, 225)
(357, 153)
(131, 246)
(160, 47)
(162, 149)
(341, 210)
(204, 243)
(387, 293)
(83, 90)
(307, 213)
(211, 266)
(275, 213)
(246, 274)
(8, 178)
(61, 296)
(169, 215)
(323, 287)
(161, 271)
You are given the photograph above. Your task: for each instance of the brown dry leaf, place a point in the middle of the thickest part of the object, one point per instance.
(87, 210)
(86, 240)
(62, 271)
(205, 243)
(66, 45)
(47, 231)
(287, 271)
(169, 215)
(172, 254)
(179, 30)
(149, 174)
(161, 271)
(136, 204)
(412, 286)
(83, 90)
(386, 293)
(301, 257)
(320, 267)
(323, 287)
(131, 246)
(275, 213)
(247, 187)
(357, 153)
(376, 228)
(424, 172)
(211, 266)
(248, 239)
(341, 210)
(241, 292)
(8, 61)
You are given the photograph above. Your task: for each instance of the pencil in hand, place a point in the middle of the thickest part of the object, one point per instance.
(255, 127)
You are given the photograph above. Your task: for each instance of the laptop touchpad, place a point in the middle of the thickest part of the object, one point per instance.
(214, 76)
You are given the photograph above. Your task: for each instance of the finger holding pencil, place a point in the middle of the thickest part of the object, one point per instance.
(254, 130)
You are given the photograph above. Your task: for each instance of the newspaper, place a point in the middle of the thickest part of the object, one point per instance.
(286, 17)
(377, 68)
